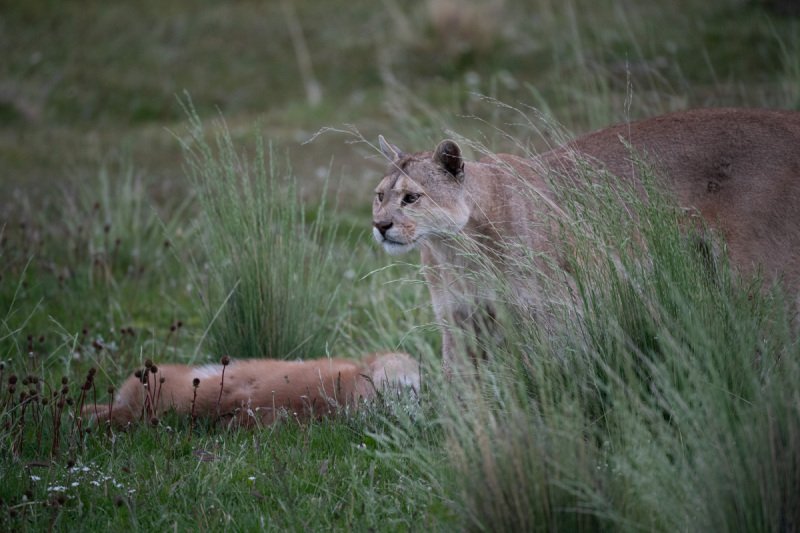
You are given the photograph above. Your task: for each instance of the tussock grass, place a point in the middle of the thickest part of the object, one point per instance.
(272, 275)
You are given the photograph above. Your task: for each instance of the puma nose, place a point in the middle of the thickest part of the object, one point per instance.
(383, 227)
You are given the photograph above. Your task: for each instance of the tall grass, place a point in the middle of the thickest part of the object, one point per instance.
(272, 276)
(663, 398)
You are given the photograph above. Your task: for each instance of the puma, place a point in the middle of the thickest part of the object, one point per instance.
(739, 169)
(256, 391)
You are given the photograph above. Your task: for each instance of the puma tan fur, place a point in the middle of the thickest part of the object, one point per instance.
(257, 390)
(739, 169)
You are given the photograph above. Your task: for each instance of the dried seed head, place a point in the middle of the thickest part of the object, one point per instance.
(45, 401)
(111, 389)
(148, 363)
(154, 369)
(162, 380)
(196, 382)
(138, 373)
(92, 371)
(70, 463)
(12, 379)
(225, 360)
(118, 501)
(179, 323)
(64, 390)
(64, 380)
(154, 421)
(70, 401)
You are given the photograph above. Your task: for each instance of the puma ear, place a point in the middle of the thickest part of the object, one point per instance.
(448, 155)
(390, 151)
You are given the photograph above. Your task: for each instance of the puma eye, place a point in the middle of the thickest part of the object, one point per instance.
(380, 196)
(410, 198)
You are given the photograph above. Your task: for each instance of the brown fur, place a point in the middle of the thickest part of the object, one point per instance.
(258, 390)
(738, 168)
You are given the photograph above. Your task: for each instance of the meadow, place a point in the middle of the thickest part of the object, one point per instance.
(182, 181)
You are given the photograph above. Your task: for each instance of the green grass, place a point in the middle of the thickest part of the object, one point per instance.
(282, 479)
(271, 287)
(670, 405)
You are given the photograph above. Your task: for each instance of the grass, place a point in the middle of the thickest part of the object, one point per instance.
(265, 292)
(671, 407)
(244, 480)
